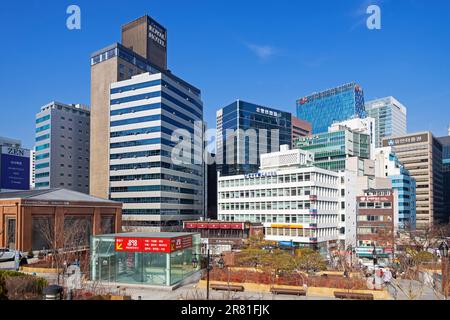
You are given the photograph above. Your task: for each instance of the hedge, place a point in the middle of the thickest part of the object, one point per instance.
(40, 283)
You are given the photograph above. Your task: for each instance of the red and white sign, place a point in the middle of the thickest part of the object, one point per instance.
(163, 245)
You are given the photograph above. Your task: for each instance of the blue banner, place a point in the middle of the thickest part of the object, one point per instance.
(15, 173)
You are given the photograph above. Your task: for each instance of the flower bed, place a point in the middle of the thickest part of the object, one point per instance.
(251, 276)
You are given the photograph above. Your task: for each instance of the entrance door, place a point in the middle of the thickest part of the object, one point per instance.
(11, 233)
(107, 268)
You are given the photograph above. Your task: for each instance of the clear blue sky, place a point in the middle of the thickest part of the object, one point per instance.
(267, 52)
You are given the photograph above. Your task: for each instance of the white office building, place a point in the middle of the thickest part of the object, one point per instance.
(297, 202)
(390, 118)
(62, 147)
(158, 192)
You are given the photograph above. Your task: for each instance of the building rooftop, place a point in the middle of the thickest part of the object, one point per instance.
(52, 195)
(163, 235)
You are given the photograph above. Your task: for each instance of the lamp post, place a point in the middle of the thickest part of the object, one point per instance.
(443, 249)
(374, 253)
(208, 268)
(351, 251)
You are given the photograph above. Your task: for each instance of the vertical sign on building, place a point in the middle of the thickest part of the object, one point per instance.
(15, 169)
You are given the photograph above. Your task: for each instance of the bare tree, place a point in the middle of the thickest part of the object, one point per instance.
(65, 241)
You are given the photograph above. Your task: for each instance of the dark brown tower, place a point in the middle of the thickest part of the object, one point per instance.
(147, 38)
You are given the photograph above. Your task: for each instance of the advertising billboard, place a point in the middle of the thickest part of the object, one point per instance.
(162, 245)
(15, 169)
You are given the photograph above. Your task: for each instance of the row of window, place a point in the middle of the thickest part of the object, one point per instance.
(43, 156)
(154, 188)
(140, 154)
(375, 205)
(302, 233)
(280, 192)
(278, 205)
(372, 218)
(44, 137)
(144, 142)
(158, 200)
(279, 218)
(157, 164)
(161, 212)
(43, 119)
(300, 177)
(156, 176)
(43, 128)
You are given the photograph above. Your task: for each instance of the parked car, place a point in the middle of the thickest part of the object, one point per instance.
(9, 255)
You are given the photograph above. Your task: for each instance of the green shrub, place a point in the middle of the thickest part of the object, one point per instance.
(38, 283)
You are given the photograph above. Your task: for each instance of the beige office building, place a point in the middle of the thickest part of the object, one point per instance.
(143, 49)
(421, 154)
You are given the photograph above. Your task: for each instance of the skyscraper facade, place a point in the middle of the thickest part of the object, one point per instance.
(158, 191)
(245, 131)
(334, 105)
(390, 118)
(421, 154)
(62, 147)
(445, 141)
(143, 49)
(331, 149)
(388, 165)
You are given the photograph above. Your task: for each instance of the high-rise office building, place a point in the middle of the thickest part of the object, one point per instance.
(300, 128)
(331, 149)
(62, 147)
(143, 49)
(245, 131)
(334, 105)
(421, 154)
(445, 141)
(158, 191)
(390, 118)
(388, 165)
(14, 166)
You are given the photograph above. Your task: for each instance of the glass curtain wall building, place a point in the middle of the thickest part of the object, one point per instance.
(390, 118)
(331, 149)
(334, 105)
(445, 141)
(158, 192)
(245, 131)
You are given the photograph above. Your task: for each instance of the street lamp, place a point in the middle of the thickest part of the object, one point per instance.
(374, 253)
(208, 269)
(443, 250)
(351, 251)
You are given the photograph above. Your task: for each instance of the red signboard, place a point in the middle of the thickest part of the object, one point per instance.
(163, 245)
(202, 226)
(214, 225)
(191, 226)
(237, 226)
(225, 226)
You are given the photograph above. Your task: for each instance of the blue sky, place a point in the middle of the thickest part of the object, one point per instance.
(266, 52)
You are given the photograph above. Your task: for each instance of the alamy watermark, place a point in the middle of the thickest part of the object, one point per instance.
(73, 22)
(374, 20)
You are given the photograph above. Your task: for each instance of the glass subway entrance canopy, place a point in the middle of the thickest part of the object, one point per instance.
(162, 259)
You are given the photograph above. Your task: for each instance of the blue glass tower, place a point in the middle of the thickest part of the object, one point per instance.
(338, 104)
(445, 141)
(257, 130)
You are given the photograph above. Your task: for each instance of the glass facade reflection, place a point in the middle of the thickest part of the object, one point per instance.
(335, 105)
(254, 130)
(159, 259)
